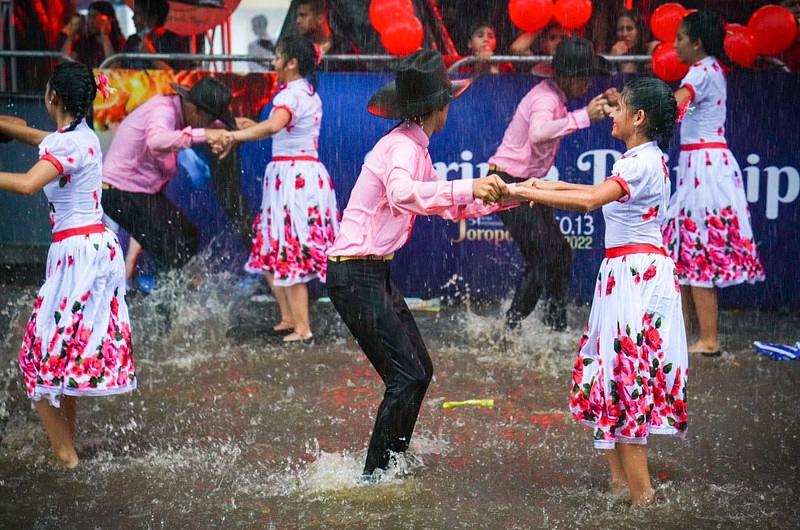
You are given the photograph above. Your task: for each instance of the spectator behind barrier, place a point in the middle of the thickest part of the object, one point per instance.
(791, 56)
(92, 39)
(311, 18)
(544, 42)
(482, 44)
(149, 18)
(632, 37)
(262, 46)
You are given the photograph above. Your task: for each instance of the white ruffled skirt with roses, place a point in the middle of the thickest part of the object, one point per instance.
(629, 380)
(78, 338)
(297, 223)
(708, 232)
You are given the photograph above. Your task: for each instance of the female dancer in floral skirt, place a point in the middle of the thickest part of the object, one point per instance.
(629, 379)
(708, 230)
(78, 339)
(299, 218)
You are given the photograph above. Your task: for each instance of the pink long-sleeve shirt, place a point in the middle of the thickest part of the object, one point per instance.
(531, 140)
(144, 153)
(397, 183)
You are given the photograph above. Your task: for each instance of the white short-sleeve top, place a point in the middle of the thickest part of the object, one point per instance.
(74, 197)
(704, 120)
(301, 136)
(636, 218)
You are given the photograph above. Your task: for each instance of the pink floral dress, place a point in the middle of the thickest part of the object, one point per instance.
(629, 380)
(708, 231)
(299, 219)
(78, 339)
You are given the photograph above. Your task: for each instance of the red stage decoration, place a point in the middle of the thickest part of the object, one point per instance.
(383, 12)
(665, 20)
(403, 36)
(572, 14)
(774, 28)
(740, 45)
(186, 20)
(530, 15)
(667, 65)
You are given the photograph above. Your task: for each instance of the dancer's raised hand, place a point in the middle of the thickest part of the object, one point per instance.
(596, 108)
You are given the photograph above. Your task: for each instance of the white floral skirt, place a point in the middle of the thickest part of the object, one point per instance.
(78, 338)
(707, 231)
(629, 379)
(297, 223)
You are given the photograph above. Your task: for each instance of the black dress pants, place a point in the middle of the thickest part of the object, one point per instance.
(161, 228)
(548, 258)
(379, 319)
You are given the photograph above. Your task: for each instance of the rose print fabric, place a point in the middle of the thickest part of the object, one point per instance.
(708, 232)
(299, 219)
(78, 339)
(629, 380)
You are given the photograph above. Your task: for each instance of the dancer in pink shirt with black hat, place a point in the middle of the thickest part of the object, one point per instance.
(397, 183)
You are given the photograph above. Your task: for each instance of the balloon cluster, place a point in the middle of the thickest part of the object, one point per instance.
(770, 31)
(534, 15)
(400, 30)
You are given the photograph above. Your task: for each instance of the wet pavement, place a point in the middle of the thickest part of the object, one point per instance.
(231, 429)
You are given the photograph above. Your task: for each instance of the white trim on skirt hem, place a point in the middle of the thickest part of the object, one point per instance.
(662, 430)
(53, 394)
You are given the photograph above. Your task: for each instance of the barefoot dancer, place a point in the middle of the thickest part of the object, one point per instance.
(708, 231)
(629, 379)
(397, 183)
(78, 339)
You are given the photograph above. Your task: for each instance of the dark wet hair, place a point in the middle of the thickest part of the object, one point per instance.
(707, 28)
(641, 28)
(157, 10)
(319, 7)
(656, 99)
(297, 47)
(75, 86)
(105, 8)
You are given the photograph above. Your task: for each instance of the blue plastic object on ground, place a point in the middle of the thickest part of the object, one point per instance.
(779, 352)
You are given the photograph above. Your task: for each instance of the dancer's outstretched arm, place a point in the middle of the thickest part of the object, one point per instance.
(18, 129)
(31, 182)
(555, 185)
(580, 200)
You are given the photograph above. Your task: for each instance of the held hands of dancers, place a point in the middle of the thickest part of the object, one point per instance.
(220, 141)
(490, 189)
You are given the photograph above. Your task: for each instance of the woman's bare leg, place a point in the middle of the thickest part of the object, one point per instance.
(59, 432)
(705, 303)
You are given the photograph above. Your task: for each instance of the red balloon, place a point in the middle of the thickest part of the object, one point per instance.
(572, 14)
(403, 36)
(665, 20)
(740, 45)
(774, 28)
(530, 15)
(383, 12)
(666, 64)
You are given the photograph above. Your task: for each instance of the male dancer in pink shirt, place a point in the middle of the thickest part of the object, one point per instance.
(528, 150)
(143, 158)
(397, 183)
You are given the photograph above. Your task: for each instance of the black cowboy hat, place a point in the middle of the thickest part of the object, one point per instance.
(211, 96)
(421, 85)
(575, 57)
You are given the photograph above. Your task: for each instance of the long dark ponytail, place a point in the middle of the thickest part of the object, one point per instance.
(707, 27)
(656, 99)
(75, 86)
(300, 48)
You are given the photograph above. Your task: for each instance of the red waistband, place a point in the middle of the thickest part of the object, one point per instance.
(704, 145)
(303, 158)
(639, 248)
(61, 235)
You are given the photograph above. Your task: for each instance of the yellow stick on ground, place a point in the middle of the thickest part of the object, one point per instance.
(475, 402)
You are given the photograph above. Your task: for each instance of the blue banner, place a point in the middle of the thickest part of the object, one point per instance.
(477, 257)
